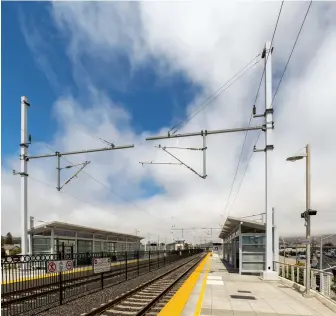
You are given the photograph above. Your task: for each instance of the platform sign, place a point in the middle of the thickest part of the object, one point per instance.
(305, 241)
(59, 266)
(101, 265)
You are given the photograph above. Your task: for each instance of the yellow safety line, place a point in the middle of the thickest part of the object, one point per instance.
(49, 275)
(200, 299)
(176, 304)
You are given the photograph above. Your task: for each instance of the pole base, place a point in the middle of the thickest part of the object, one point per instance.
(307, 295)
(269, 275)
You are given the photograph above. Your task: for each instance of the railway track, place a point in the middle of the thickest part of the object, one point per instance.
(150, 297)
(22, 301)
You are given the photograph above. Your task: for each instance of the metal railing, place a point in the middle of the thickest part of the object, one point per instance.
(321, 281)
(27, 287)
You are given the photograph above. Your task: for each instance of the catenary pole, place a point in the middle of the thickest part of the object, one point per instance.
(268, 156)
(24, 174)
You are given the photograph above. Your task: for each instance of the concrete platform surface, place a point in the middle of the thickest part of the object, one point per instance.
(219, 292)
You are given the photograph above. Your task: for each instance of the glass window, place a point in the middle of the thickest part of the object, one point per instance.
(112, 238)
(252, 240)
(120, 246)
(68, 244)
(250, 257)
(252, 266)
(100, 237)
(85, 235)
(41, 245)
(97, 246)
(254, 248)
(61, 232)
(84, 246)
(46, 233)
(109, 247)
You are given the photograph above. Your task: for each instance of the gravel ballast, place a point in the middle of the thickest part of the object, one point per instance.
(85, 303)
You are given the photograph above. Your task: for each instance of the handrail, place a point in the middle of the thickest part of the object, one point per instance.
(303, 267)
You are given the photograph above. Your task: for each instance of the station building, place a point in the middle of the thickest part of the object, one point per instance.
(58, 237)
(244, 244)
(177, 245)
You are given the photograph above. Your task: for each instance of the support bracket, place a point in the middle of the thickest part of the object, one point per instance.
(83, 165)
(267, 148)
(264, 127)
(20, 173)
(268, 111)
(263, 55)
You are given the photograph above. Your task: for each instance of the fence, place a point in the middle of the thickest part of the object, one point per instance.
(27, 287)
(321, 281)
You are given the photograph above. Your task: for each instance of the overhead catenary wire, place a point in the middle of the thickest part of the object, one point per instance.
(251, 116)
(70, 195)
(264, 69)
(244, 173)
(291, 53)
(73, 196)
(93, 136)
(216, 94)
(109, 189)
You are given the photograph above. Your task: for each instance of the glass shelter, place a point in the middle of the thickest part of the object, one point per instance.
(244, 244)
(57, 237)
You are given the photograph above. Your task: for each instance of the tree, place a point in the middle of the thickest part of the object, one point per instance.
(328, 244)
(15, 251)
(9, 239)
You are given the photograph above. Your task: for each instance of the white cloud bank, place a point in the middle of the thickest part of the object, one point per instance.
(208, 42)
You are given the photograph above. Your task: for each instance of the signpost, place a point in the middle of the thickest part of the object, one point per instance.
(101, 265)
(306, 241)
(59, 266)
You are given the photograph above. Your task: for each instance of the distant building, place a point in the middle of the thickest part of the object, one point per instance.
(177, 245)
(58, 237)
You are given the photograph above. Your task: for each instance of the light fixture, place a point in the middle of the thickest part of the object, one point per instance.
(295, 158)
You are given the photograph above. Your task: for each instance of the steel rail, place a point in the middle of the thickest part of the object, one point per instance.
(157, 299)
(103, 307)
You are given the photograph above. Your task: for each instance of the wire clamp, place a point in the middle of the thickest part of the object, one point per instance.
(20, 173)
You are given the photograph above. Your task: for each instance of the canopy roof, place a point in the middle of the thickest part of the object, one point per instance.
(72, 227)
(232, 223)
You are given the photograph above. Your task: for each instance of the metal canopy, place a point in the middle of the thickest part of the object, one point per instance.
(232, 223)
(67, 226)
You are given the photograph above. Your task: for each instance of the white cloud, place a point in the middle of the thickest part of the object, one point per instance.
(208, 43)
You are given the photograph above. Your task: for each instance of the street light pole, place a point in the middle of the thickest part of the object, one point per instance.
(283, 241)
(307, 219)
(306, 215)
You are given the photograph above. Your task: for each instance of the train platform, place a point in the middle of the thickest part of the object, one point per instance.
(215, 289)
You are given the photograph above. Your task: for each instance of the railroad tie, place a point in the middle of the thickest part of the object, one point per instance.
(112, 312)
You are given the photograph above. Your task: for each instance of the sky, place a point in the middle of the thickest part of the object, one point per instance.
(125, 71)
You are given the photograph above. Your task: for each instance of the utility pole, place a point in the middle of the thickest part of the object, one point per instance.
(24, 174)
(268, 157)
(25, 142)
(307, 218)
(268, 274)
(306, 215)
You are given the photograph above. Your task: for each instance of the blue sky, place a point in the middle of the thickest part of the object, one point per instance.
(151, 100)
